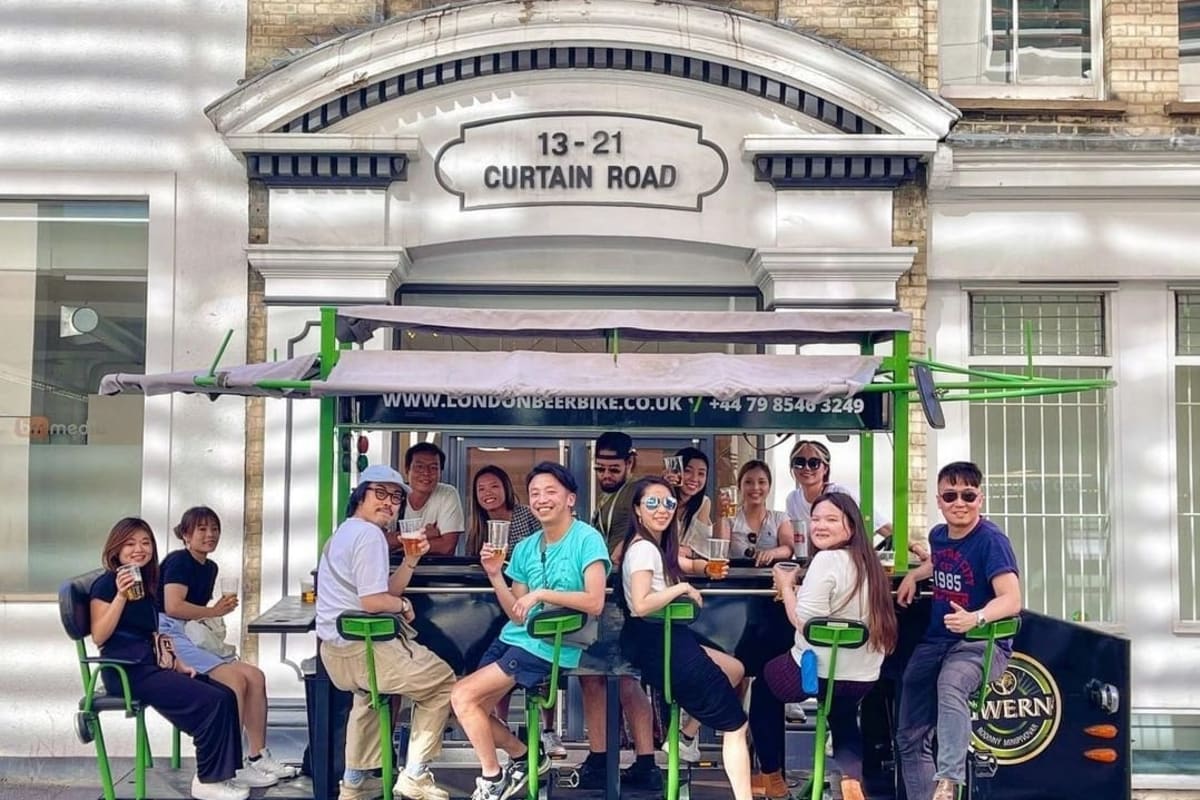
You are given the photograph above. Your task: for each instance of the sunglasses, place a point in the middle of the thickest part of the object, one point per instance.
(951, 496)
(383, 494)
(808, 463)
(615, 469)
(652, 503)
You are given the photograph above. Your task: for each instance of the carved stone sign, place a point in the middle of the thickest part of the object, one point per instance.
(581, 158)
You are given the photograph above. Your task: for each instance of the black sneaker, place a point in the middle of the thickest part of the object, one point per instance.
(647, 778)
(516, 775)
(592, 776)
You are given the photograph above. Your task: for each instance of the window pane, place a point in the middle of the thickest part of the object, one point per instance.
(74, 281)
(1063, 324)
(1189, 43)
(1187, 470)
(1045, 42)
(1187, 324)
(1045, 465)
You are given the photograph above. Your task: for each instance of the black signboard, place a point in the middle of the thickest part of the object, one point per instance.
(434, 410)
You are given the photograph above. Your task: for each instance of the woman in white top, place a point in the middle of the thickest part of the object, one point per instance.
(756, 531)
(702, 679)
(846, 580)
(694, 514)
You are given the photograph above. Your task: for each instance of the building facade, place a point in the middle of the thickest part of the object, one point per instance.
(1015, 174)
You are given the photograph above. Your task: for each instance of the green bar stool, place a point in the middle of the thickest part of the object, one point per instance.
(553, 626)
(981, 764)
(359, 626)
(845, 634)
(679, 611)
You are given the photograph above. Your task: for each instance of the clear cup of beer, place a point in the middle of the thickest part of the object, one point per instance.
(308, 590)
(230, 585)
(497, 537)
(718, 559)
(729, 501)
(137, 589)
(673, 465)
(789, 570)
(411, 532)
(888, 559)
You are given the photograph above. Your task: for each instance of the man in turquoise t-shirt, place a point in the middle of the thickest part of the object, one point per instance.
(564, 564)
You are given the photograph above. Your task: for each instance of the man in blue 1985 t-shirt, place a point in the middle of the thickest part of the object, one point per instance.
(974, 574)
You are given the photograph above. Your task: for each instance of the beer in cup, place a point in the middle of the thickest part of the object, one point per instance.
(729, 501)
(888, 559)
(410, 536)
(498, 537)
(136, 590)
(718, 559)
(308, 590)
(230, 586)
(789, 568)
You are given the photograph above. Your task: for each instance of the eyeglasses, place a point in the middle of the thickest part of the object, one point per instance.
(383, 494)
(808, 463)
(652, 503)
(615, 469)
(425, 468)
(952, 496)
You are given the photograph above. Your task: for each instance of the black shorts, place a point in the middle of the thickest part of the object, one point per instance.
(697, 683)
(528, 670)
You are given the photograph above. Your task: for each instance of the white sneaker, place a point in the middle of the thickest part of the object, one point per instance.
(689, 749)
(221, 790)
(268, 764)
(369, 789)
(254, 778)
(422, 788)
(794, 712)
(553, 745)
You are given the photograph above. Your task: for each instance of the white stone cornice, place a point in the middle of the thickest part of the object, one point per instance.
(330, 274)
(829, 276)
(409, 146)
(970, 174)
(339, 67)
(881, 145)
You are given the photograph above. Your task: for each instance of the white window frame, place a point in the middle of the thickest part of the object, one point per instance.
(1105, 362)
(1180, 624)
(1083, 90)
(159, 190)
(1188, 91)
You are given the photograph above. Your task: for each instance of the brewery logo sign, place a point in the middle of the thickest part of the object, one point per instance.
(1021, 713)
(581, 158)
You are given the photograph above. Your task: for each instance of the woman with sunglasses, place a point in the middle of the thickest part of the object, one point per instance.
(844, 579)
(810, 462)
(702, 678)
(694, 513)
(756, 531)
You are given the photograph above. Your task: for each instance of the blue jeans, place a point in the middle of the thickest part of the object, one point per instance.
(939, 679)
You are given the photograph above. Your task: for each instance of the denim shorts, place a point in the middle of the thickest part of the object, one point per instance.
(528, 670)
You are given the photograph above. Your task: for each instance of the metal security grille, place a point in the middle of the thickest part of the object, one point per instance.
(1045, 464)
(1063, 324)
(1187, 451)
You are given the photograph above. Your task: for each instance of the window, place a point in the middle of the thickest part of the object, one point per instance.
(1022, 48)
(1189, 49)
(1046, 459)
(1187, 451)
(73, 275)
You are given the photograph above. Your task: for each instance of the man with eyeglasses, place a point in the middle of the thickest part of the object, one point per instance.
(614, 460)
(436, 504)
(353, 576)
(975, 581)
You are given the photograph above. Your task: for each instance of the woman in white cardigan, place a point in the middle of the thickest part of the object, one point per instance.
(846, 580)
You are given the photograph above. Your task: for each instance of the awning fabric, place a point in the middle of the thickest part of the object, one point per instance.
(359, 323)
(535, 374)
(230, 380)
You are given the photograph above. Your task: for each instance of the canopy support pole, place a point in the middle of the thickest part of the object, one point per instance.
(327, 437)
(900, 403)
(866, 466)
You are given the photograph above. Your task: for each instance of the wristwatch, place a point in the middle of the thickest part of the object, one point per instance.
(980, 619)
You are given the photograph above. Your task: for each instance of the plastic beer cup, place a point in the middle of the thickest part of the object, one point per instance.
(729, 502)
(410, 536)
(789, 568)
(230, 585)
(137, 589)
(308, 590)
(718, 559)
(497, 537)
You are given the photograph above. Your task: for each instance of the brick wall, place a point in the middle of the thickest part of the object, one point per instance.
(891, 31)
(910, 228)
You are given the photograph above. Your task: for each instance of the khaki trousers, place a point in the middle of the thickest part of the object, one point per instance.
(402, 668)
